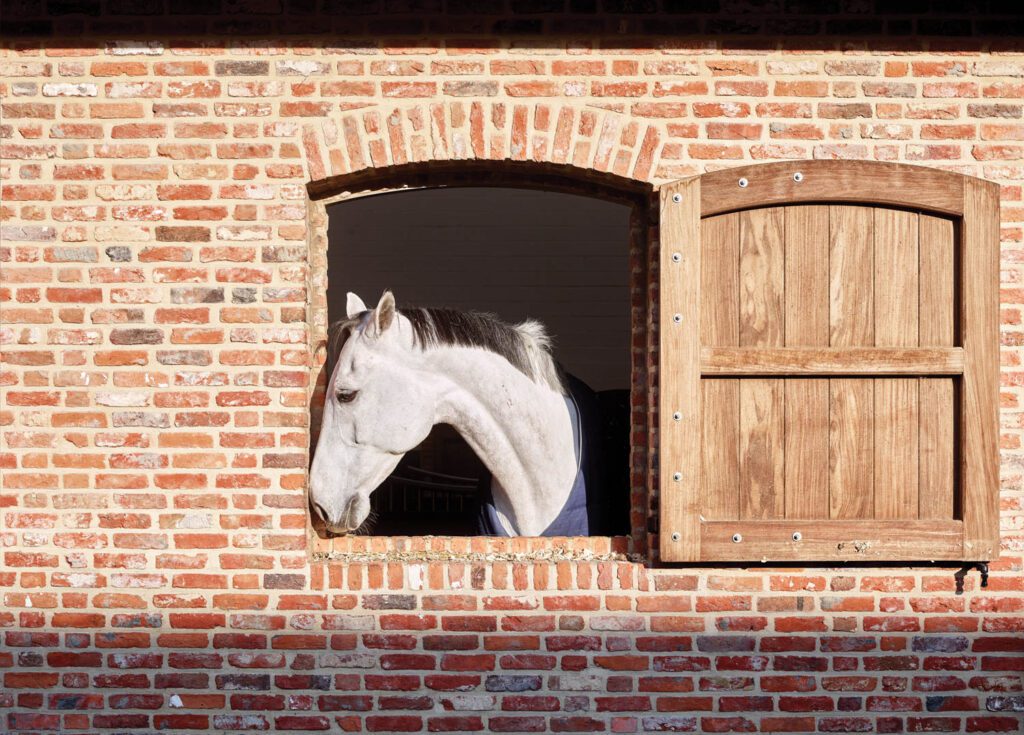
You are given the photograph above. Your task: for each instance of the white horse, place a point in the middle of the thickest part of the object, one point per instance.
(398, 373)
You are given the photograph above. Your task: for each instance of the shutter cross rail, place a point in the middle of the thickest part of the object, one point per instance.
(831, 361)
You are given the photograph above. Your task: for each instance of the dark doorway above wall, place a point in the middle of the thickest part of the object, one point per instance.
(560, 259)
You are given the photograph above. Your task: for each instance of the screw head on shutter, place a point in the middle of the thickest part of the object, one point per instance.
(743, 183)
(677, 416)
(677, 197)
(676, 536)
(677, 476)
(676, 257)
(737, 537)
(677, 318)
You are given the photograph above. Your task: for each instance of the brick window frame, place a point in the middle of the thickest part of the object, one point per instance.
(556, 178)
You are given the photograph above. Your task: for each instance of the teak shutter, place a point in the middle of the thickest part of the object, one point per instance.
(829, 364)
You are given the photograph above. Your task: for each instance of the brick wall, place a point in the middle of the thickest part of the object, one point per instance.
(163, 269)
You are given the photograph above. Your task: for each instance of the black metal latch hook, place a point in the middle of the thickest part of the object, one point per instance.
(961, 574)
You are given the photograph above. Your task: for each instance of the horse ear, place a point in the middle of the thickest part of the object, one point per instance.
(384, 314)
(354, 305)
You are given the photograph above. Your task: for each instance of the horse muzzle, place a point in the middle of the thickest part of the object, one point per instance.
(345, 517)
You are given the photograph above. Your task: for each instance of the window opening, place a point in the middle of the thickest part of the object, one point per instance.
(556, 258)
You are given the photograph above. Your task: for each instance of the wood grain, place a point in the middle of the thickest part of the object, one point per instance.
(761, 279)
(979, 328)
(807, 324)
(847, 541)
(937, 295)
(720, 461)
(896, 278)
(720, 242)
(937, 311)
(806, 275)
(935, 489)
(855, 182)
(762, 459)
(897, 449)
(680, 389)
(851, 277)
(851, 448)
(794, 361)
(719, 281)
(806, 448)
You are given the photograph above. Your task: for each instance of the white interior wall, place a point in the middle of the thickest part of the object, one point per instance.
(558, 258)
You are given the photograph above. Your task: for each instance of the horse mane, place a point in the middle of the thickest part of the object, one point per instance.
(526, 346)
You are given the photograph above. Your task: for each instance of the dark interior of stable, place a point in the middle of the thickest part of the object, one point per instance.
(561, 259)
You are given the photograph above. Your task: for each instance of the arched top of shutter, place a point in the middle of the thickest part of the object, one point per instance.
(854, 182)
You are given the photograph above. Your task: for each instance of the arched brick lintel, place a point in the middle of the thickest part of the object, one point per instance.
(603, 142)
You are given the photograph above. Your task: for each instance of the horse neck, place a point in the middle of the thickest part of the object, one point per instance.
(519, 428)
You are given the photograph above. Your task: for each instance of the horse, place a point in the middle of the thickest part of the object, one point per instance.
(398, 373)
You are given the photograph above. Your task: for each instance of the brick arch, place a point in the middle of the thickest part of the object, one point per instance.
(588, 138)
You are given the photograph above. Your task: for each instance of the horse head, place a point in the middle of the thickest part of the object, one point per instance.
(378, 407)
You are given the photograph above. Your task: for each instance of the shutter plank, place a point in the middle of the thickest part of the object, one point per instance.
(938, 302)
(762, 434)
(979, 328)
(897, 294)
(762, 324)
(896, 448)
(762, 259)
(720, 462)
(806, 267)
(679, 386)
(937, 307)
(806, 452)
(851, 277)
(935, 491)
(851, 448)
(896, 278)
(719, 281)
(720, 242)
(807, 324)
(851, 321)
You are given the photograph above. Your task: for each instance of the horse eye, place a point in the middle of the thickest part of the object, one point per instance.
(346, 396)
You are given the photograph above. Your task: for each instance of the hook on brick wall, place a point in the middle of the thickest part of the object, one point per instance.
(961, 574)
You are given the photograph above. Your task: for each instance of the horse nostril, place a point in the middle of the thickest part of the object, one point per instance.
(321, 511)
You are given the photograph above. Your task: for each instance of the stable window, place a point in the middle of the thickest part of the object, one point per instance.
(573, 262)
(829, 364)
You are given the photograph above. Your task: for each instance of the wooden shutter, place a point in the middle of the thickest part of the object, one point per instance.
(829, 364)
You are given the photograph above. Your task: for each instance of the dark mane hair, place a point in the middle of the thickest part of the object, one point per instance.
(526, 346)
